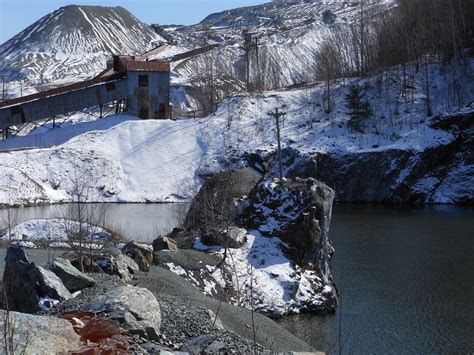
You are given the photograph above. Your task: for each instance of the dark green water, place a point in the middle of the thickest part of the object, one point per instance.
(406, 278)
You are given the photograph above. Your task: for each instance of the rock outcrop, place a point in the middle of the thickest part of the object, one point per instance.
(214, 205)
(299, 213)
(272, 240)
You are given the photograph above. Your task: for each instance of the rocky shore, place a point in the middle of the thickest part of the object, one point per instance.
(156, 311)
(251, 247)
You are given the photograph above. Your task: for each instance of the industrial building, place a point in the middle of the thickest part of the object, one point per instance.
(140, 87)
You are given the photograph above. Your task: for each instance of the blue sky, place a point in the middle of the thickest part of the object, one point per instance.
(15, 15)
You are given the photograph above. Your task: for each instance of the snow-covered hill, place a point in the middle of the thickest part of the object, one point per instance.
(400, 156)
(289, 37)
(71, 43)
(74, 42)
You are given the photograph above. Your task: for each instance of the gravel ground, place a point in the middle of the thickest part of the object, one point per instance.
(164, 284)
(181, 322)
(187, 316)
(105, 283)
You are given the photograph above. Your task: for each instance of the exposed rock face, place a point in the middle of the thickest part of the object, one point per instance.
(299, 212)
(42, 335)
(214, 205)
(73, 279)
(25, 283)
(440, 174)
(141, 253)
(136, 309)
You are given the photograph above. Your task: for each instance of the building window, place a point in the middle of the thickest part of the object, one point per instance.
(143, 81)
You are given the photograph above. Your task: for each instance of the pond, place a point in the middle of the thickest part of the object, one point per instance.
(405, 275)
(406, 279)
(140, 222)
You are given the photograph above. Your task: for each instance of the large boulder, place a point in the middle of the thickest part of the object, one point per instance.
(114, 262)
(137, 301)
(215, 204)
(73, 279)
(166, 243)
(39, 335)
(142, 254)
(231, 237)
(84, 263)
(51, 285)
(19, 281)
(25, 283)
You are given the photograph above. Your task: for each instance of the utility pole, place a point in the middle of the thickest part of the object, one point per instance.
(21, 88)
(3, 88)
(277, 116)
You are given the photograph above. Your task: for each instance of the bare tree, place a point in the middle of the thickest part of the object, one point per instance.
(328, 67)
(83, 221)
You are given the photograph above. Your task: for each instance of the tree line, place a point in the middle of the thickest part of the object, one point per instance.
(417, 32)
(410, 31)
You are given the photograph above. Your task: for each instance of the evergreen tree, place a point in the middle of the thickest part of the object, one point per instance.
(359, 109)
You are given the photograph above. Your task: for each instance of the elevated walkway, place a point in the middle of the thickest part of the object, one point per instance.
(143, 85)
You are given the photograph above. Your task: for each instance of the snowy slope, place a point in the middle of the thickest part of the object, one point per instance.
(289, 33)
(71, 43)
(121, 158)
(138, 161)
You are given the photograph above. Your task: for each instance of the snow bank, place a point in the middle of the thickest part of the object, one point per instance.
(54, 233)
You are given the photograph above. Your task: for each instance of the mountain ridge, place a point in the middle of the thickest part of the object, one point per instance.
(74, 40)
